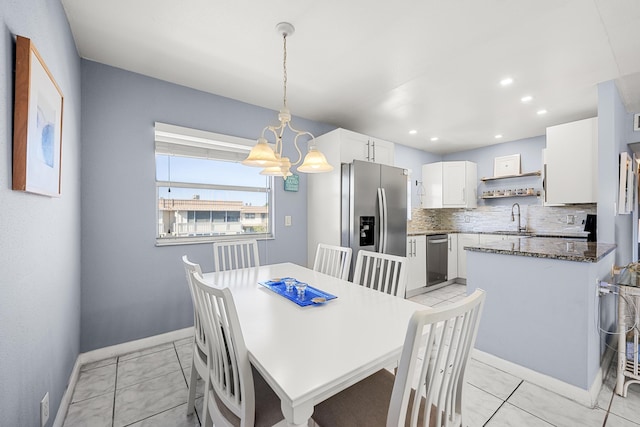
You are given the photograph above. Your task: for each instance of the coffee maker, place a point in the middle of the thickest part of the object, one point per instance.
(590, 225)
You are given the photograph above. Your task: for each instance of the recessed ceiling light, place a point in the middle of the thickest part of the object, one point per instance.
(498, 136)
(527, 98)
(541, 112)
(506, 81)
(434, 138)
(413, 132)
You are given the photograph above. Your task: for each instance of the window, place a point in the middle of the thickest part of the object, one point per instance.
(202, 190)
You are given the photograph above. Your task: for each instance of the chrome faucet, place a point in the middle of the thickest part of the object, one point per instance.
(513, 217)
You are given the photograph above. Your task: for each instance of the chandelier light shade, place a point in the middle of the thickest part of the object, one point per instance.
(315, 162)
(262, 155)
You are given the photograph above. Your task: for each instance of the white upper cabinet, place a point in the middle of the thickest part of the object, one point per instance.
(355, 146)
(450, 185)
(571, 163)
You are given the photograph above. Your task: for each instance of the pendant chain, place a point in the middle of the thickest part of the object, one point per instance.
(284, 66)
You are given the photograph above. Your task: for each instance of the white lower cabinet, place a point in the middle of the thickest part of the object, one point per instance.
(416, 262)
(465, 239)
(452, 257)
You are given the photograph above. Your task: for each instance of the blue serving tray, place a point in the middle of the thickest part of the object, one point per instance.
(280, 288)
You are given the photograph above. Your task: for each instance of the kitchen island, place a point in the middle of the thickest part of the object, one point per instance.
(542, 312)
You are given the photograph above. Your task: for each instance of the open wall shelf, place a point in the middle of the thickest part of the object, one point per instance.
(493, 178)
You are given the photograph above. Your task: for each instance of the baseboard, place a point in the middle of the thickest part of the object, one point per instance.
(68, 394)
(128, 347)
(112, 351)
(587, 398)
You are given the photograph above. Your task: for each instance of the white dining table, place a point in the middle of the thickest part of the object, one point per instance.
(308, 354)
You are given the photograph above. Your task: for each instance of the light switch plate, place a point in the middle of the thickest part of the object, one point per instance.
(287, 221)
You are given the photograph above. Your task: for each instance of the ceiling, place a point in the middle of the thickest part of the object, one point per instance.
(383, 68)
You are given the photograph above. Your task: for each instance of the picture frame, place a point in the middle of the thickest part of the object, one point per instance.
(292, 183)
(506, 165)
(37, 124)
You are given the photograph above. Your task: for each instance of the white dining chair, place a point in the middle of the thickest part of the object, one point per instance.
(235, 393)
(434, 359)
(333, 260)
(235, 254)
(200, 351)
(383, 272)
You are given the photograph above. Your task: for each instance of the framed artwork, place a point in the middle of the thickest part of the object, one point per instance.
(37, 124)
(291, 183)
(506, 165)
(625, 189)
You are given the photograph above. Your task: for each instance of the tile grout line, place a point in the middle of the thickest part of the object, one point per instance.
(606, 415)
(503, 402)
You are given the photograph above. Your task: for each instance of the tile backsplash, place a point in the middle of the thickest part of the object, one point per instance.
(540, 219)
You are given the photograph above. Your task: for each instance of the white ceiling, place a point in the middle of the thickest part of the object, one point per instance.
(383, 67)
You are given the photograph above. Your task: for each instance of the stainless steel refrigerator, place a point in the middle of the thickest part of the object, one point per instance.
(374, 208)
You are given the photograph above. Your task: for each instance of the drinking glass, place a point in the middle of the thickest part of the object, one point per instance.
(289, 282)
(301, 287)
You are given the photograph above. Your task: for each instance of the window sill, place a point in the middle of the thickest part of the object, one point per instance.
(178, 241)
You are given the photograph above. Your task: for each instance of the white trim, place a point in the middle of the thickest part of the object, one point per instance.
(112, 351)
(68, 393)
(588, 398)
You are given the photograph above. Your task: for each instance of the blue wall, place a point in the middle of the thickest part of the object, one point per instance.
(40, 243)
(614, 123)
(131, 288)
(412, 159)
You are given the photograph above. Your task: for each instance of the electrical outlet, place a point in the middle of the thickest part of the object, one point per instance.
(44, 410)
(467, 218)
(571, 219)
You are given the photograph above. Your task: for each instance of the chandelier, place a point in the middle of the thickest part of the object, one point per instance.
(271, 159)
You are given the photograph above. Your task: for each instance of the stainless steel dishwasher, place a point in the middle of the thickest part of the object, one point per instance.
(437, 263)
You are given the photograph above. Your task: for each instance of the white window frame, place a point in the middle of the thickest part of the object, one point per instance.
(182, 141)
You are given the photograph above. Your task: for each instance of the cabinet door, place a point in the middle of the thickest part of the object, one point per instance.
(432, 183)
(417, 262)
(354, 146)
(571, 163)
(452, 260)
(454, 184)
(465, 240)
(382, 152)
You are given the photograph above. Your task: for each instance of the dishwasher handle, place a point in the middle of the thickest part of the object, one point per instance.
(430, 241)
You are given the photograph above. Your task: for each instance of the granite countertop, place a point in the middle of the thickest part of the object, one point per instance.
(430, 232)
(544, 247)
(556, 234)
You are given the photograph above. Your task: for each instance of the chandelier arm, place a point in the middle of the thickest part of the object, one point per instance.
(278, 143)
(295, 144)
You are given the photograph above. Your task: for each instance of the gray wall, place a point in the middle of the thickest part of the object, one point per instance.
(614, 123)
(40, 243)
(131, 288)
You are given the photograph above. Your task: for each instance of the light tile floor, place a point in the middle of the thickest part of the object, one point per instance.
(149, 388)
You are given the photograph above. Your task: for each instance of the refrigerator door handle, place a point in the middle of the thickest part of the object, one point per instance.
(383, 221)
(380, 222)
